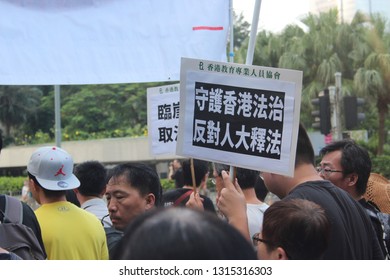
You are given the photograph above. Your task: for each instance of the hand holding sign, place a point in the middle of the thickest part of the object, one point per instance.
(195, 202)
(232, 204)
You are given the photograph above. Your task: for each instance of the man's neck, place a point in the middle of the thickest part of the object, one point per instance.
(250, 196)
(84, 198)
(47, 200)
(355, 196)
(302, 173)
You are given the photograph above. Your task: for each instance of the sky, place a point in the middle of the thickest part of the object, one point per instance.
(274, 14)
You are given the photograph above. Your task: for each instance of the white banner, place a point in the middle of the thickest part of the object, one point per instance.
(163, 119)
(241, 115)
(46, 42)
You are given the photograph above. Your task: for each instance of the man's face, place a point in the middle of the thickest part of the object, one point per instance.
(125, 202)
(176, 164)
(332, 170)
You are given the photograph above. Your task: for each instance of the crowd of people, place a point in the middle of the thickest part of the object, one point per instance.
(90, 212)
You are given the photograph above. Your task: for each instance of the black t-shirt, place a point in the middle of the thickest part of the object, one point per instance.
(29, 220)
(171, 196)
(351, 236)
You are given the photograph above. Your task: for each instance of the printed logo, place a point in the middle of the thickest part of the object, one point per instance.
(62, 184)
(60, 171)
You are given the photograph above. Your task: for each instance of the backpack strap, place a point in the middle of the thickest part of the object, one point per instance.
(182, 197)
(13, 211)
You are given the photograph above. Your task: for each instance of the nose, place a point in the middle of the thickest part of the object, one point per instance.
(111, 205)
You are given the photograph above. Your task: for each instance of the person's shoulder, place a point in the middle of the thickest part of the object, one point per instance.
(317, 186)
(262, 207)
(169, 197)
(174, 192)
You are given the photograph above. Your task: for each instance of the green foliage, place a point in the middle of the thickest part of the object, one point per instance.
(11, 184)
(167, 184)
(39, 137)
(18, 104)
(380, 164)
(240, 31)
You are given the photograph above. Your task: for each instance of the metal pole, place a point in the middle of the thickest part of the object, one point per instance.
(333, 111)
(337, 107)
(57, 112)
(249, 55)
(253, 33)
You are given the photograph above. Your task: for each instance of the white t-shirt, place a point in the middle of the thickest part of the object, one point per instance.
(255, 214)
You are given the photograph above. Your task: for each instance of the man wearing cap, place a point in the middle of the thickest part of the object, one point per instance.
(69, 233)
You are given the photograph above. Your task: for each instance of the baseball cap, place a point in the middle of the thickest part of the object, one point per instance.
(53, 169)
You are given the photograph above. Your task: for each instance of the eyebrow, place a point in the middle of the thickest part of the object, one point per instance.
(117, 192)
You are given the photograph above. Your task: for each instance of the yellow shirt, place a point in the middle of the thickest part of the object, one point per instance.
(71, 233)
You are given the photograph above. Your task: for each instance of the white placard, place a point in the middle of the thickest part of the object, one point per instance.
(163, 118)
(241, 115)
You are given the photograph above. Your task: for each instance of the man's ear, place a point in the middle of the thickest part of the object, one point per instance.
(150, 201)
(281, 254)
(352, 179)
(31, 184)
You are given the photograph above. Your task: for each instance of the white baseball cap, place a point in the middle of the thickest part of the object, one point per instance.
(53, 169)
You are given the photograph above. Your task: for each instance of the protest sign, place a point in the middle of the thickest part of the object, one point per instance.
(242, 115)
(163, 118)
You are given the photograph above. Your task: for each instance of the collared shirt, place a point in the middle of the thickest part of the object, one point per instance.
(98, 207)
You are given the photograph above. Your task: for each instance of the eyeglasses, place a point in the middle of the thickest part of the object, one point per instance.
(256, 239)
(327, 171)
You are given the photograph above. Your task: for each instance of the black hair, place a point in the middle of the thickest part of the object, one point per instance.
(177, 233)
(260, 189)
(201, 168)
(305, 151)
(141, 177)
(92, 176)
(354, 159)
(299, 226)
(72, 198)
(246, 177)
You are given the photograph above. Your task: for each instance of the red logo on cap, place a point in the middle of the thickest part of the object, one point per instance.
(60, 172)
